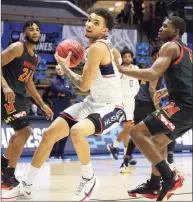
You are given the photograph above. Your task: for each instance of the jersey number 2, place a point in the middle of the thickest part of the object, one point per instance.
(25, 76)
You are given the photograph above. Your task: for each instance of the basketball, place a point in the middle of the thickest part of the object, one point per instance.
(75, 47)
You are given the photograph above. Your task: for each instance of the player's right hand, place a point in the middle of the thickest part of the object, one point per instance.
(48, 111)
(9, 94)
(63, 62)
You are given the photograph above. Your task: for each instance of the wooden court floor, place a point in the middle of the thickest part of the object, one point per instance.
(57, 181)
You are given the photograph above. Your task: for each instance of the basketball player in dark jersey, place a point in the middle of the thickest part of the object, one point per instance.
(171, 121)
(145, 105)
(19, 61)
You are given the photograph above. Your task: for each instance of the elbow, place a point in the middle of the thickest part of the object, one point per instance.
(85, 88)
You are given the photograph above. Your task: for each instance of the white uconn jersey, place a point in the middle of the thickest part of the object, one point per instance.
(130, 85)
(106, 86)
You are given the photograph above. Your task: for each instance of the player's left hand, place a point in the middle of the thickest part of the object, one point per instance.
(63, 62)
(158, 95)
(48, 111)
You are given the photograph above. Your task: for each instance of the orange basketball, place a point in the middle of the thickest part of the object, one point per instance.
(75, 47)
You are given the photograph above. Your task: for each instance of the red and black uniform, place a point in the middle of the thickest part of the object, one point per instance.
(17, 74)
(176, 118)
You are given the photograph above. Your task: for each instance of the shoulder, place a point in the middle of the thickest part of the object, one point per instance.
(17, 45)
(169, 50)
(97, 49)
(55, 79)
(98, 46)
(169, 46)
(16, 48)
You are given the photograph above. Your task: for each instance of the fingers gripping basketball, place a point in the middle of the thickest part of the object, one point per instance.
(75, 47)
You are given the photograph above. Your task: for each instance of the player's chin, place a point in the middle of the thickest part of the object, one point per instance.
(88, 35)
(36, 41)
(162, 38)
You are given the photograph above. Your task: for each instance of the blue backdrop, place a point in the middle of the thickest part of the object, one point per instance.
(97, 144)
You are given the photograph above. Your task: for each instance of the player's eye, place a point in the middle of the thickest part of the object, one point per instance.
(96, 23)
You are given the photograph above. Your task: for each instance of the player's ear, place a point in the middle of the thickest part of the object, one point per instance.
(105, 30)
(176, 32)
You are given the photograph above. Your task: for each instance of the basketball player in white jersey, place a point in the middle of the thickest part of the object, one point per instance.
(100, 110)
(130, 87)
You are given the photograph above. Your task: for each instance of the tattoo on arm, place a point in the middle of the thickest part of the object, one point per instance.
(75, 78)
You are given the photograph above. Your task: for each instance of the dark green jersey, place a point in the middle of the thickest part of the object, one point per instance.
(144, 94)
(178, 78)
(18, 71)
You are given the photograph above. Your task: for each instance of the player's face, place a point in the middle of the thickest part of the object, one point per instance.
(95, 27)
(32, 34)
(127, 59)
(167, 32)
(59, 71)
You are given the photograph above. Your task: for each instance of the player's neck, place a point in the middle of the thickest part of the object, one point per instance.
(177, 38)
(30, 47)
(92, 40)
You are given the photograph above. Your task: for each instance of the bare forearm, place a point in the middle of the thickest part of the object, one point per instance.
(151, 93)
(141, 74)
(31, 89)
(4, 83)
(75, 78)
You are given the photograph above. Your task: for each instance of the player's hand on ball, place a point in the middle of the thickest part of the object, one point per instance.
(63, 62)
(9, 94)
(48, 111)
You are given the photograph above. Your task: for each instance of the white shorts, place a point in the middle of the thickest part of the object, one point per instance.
(105, 115)
(129, 106)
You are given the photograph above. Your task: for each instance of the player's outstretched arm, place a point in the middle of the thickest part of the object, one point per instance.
(117, 57)
(10, 53)
(166, 55)
(84, 81)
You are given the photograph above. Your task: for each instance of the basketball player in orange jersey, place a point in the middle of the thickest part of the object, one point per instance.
(19, 61)
(130, 87)
(163, 126)
(101, 109)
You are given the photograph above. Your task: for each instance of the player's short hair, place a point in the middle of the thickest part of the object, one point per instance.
(104, 13)
(125, 51)
(178, 23)
(155, 50)
(29, 23)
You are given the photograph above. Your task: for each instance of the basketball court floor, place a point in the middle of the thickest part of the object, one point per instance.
(57, 180)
